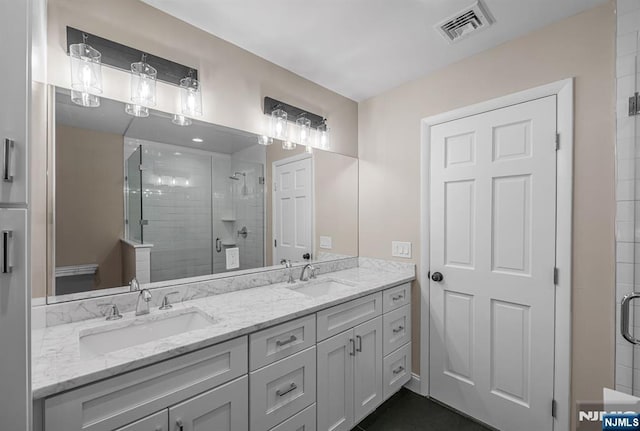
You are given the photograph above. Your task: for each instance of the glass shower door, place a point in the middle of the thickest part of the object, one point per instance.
(134, 196)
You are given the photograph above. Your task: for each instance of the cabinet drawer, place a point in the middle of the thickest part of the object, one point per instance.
(157, 422)
(396, 370)
(273, 344)
(396, 297)
(396, 329)
(121, 400)
(345, 316)
(282, 389)
(303, 421)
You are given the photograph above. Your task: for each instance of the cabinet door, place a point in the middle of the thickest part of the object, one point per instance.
(13, 320)
(225, 408)
(335, 382)
(368, 389)
(157, 422)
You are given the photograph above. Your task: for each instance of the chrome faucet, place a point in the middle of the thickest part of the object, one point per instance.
(145, 296)
(113, 313)
(134, 285)
(287, 264)
(312, 272)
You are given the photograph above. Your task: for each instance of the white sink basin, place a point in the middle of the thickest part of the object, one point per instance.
(321, 288)
(116, 336)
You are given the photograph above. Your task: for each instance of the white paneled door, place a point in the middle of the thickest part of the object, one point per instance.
(293, 209)
(493, 193)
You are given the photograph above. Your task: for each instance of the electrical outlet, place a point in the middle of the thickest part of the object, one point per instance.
(326, 242)
(401, 249)
(233, 258)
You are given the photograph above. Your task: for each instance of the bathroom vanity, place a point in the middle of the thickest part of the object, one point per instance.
(320, 354)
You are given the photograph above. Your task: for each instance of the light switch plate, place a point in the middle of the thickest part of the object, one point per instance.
(326, 242)
(401, 249)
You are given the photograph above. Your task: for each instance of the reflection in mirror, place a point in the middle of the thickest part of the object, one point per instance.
(149, 199)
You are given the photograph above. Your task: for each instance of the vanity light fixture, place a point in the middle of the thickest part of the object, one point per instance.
(265, 140)
(143, 83)
(279, 127)
(136, 110)
(303, 130)
(322, 137)
(288, 145)
(86, 73)
(191, 96)
(181, 120)
(305, 122)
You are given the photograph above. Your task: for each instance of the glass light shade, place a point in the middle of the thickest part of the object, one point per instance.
(85, 99)
(86, 74)
(288, 145)
(279, 124)
(265, 140)
(308, 149)
(136, 110)
(191, 97)
(143, 84)
(181, 120)
(322, 137)
(86, 68)
(303, 130)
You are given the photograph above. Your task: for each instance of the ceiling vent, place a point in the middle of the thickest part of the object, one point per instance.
(466, 22)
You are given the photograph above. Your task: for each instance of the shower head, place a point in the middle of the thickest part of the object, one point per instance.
(235, 176)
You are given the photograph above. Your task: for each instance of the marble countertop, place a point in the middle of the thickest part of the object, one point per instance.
(58, 365)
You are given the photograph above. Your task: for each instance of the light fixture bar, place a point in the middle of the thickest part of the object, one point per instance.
(293, 112)
(121, 56)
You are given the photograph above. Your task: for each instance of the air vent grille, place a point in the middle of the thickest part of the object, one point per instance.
(461, 25)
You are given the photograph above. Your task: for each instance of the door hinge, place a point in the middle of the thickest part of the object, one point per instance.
(557, 141)
(275, 242)
(261, 180)
(634, 105)
(140, 168)
(555, 275)
(554, 408)
(275, 187)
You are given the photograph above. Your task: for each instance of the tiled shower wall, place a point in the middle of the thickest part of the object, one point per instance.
(627, 190)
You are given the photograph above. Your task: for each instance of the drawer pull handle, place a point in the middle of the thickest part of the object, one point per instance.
(292, 387)
(398, 370)
(353, 347)
(398, 329)
(359, 348)
(7, 176)
(290, 340)
(397, 297)
(179, 425)
(6, 268)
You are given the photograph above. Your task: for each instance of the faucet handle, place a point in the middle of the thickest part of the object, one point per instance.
(286, 263)
(134, 285)
(165, 301)
(113, 313)
(313, 270)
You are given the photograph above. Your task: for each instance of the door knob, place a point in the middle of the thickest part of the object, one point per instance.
(437, 277)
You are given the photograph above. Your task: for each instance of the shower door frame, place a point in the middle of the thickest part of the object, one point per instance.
(563, 89)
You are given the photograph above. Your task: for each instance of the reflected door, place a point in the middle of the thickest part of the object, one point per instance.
(293, 209)
(492, 245)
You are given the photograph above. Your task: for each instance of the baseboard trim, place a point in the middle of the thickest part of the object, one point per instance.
(414, 384)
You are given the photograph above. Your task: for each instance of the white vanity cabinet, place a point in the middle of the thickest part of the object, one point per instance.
(225, 408)
(122, 400)
(350, 363)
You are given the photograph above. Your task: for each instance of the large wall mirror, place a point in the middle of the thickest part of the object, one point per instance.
(149, 199)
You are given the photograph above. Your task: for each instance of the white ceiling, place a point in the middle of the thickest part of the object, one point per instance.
(360, 48)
